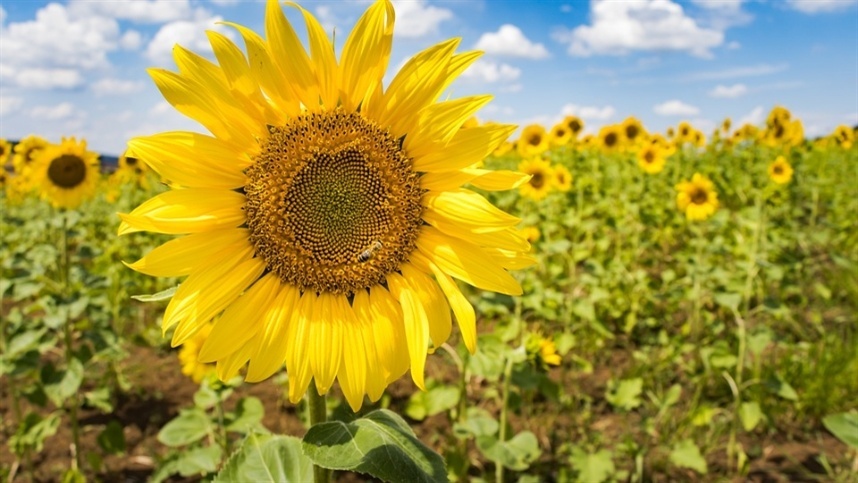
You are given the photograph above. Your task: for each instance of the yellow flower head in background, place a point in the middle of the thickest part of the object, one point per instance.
(503, 149)
(697, 198)
(189, 355)
(632, 130)
(66, 173)
(562, 178)
(844, 136)
(541, 351)
(780, 171)
(610, 138)
(651, 159)
(324, 220)
(131, 170)
(575, 125)
(26, 152)
(726, 124)
(472, 121)
(541, 178)
(560, 135)
(5, 152)
(531, 233)
(533, 141)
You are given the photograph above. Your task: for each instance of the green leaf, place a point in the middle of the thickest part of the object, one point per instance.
(199, 461)
(488, 361)
(266, 458)
(112, 439)
(157, 297)
(189, 426)
(248, 415)
(60, 385)
(729, 300)
(517, 453)
(593, 467)
(436, 399)
(759, 341)
(686, 454)
(380, 444)
(844, 426)
(781, 388)
(626, 395)
(672, 396)
(33, 431)
(750, 414)
(478, 422)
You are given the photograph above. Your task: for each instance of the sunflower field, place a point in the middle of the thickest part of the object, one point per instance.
(371, 294)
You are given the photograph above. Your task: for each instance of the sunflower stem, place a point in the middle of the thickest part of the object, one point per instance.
(318, 407)
(507, 375)
(68, 339)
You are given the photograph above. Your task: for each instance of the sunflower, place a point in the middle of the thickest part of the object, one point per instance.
(651, 159)
(66, 173)
(4, 178)
(844, 136)
(541, 351)
(560, 135)
(325, 220)
(780, 171)
(26, 151)
(503, 149)
(131, 170)
(531, 233)
(726, 124)
(684, 133)
(5, 152)
(575, 125)
(632, 130)
(189, 356)
(697, 198)
(610, 138)
(562, 178)
(541, 178)
(533, 141)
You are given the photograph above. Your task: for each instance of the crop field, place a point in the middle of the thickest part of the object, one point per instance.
(690, 316)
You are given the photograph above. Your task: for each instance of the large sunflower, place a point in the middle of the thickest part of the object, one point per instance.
(697, 198)
(325, 220)
(66, 173)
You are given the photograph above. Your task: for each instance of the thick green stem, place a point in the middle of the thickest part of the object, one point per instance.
(318, 414)
(507, 375)
(69, 340)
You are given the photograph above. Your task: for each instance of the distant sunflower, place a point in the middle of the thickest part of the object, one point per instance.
(4, 178)
(684, 133)
(531, 233)
(541, 351)
(632, 130)
(541, 178)
(562, 178)
(131, 170)
(844, 136)
(575, 125)
(610, 138)
(780, 171)
(5, 152)
(26, 152)
(325, 219)
(66, 173)
(651, 159)
(189, 356)
(503, 149)
(670, 132)
(533, 141)
(560, 135)
(697, 198)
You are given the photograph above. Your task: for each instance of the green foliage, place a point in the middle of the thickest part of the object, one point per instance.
(267, 458)
(844, 426)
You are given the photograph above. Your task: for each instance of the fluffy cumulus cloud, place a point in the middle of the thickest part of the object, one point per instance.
(819, 6)
(10, 104)
(589, 113)
(488, 71)
(728, 92)
(40, 78)
(138, 11)
(115, 87)
(509, 40)
(620, 27)
(414, 18)
(675, 107)
(190, 34)
(756, 117)
(53, 113)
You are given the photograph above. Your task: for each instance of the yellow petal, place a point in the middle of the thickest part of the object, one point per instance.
(366, 54)
(465, 261)
(324, 60)
(289, 56)
(467, 208)
(228, 367)
(352, 373)
(416, 325)
(434, 304)
(241, 320)
(440, 122)
(499, 180)
(326, 342)
(274, 336)
(510, 260)
(178, 212)
(467, 147)
(376, 378)
(389, 333)
(297, 351)
(462, 308)
(182, 256)
(192, 160)
(507, 238)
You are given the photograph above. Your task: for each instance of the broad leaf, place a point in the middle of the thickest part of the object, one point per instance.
(686, 454)
(593, 467)
(517, 453)
(265, 458)
(844, 426)
(189, 426)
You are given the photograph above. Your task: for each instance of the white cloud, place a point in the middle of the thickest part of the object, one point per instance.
(675, 107)
(733, 45)
(755, 117)
(131, 40)
(719, 4)
(187, 33)
(818, 6)
(509, 40)
(511, 88)
(619, 27)
(2, 15)
(39, 78)
(138, 11)
(115, 87)
(53, 113)
(225, 3)
(728, 92)
(160, 108)
(57, 39)
(735, 72)
(488, 71)
(415, 19)
(592, 113)
(10, 104)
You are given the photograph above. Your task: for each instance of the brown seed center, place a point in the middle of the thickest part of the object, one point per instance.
(67, 171)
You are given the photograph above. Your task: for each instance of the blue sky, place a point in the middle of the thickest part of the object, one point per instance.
(77, 67)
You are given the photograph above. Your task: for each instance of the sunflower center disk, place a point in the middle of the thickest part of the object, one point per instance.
(699, 197)
(67, 171)
(333, 203)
